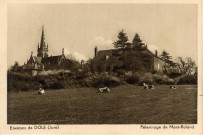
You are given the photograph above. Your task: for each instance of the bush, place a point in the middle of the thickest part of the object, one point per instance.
(155, 79)
(146, 78)
(102, 81)
(19, 81)
(131, 78)
(57, 85)
(187, 79)
(121, 72)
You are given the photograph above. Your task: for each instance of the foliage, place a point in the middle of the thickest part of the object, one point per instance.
(131, 78)
(187, 79)
(137, 42)
(122, 41)
(187, 66)
(106, 81)
(16, 67)
(19, 81)
(89, 66)
(166, 57)
(155, 79)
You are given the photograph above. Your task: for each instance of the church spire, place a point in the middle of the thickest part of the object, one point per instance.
(43, 48)
(42, 43)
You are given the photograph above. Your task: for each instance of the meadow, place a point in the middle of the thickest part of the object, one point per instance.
(125, 104)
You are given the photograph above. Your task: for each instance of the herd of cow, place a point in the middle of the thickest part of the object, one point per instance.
(106, 89)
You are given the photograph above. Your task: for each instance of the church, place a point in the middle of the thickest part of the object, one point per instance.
(43, 61)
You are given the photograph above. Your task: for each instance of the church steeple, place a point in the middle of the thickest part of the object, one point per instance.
(42, 48)
(42, 43)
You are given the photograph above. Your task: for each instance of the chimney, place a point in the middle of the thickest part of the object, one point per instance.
(63, 51)
(156, 53)
(95, 51)
(82, 61)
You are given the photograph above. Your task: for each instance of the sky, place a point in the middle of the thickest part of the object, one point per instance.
(80, 27)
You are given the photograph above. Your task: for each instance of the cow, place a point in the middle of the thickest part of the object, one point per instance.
(146, 86)
(172, 87)
(104, 90)
(41, 91)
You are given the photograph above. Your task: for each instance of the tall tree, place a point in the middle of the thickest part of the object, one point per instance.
(166, 57)
(122, 41)
(137, 42)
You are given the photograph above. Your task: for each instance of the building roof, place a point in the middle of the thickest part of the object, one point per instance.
(37, 60)
(153, 54)
(101, 55)
(52, 59)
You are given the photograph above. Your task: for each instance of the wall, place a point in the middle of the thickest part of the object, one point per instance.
(158, 65)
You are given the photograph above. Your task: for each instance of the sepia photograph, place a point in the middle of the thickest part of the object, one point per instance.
(110, 64)
(102, 64)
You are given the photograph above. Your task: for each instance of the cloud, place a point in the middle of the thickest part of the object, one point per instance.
(79, 56)
(74, 55)
(66, 51)
(101, 43)
(153, 48)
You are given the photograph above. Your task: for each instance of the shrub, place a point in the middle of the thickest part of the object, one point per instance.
(155, 79)
(102, 81)
(19, 81)
(131, 78)
(187, 79)
(121, 72)
(57, 85)
(146, 78)
(54, 84)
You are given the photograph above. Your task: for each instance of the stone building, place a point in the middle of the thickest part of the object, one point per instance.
(133, 59)
(43, 61)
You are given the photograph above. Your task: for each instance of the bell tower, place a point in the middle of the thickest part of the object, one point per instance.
(42, 50)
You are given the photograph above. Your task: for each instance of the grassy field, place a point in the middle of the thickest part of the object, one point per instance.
(126, 104)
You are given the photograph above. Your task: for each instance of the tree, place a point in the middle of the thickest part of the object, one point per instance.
(166, 57)
(196, 72)
(122, 41)
(186, 66)
(137, 42)
(16, 67)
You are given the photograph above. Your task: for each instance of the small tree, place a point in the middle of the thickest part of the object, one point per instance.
(186, 66)
(137, 42)
(166, 57)
(16, 67)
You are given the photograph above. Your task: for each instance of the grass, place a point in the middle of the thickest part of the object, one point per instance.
(126, 104)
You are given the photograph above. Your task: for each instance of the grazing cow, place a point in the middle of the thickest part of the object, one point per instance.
(145, 86)
(148, 86)
(104, 90)
(151, 86)
(172, 87)
(41, 91)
